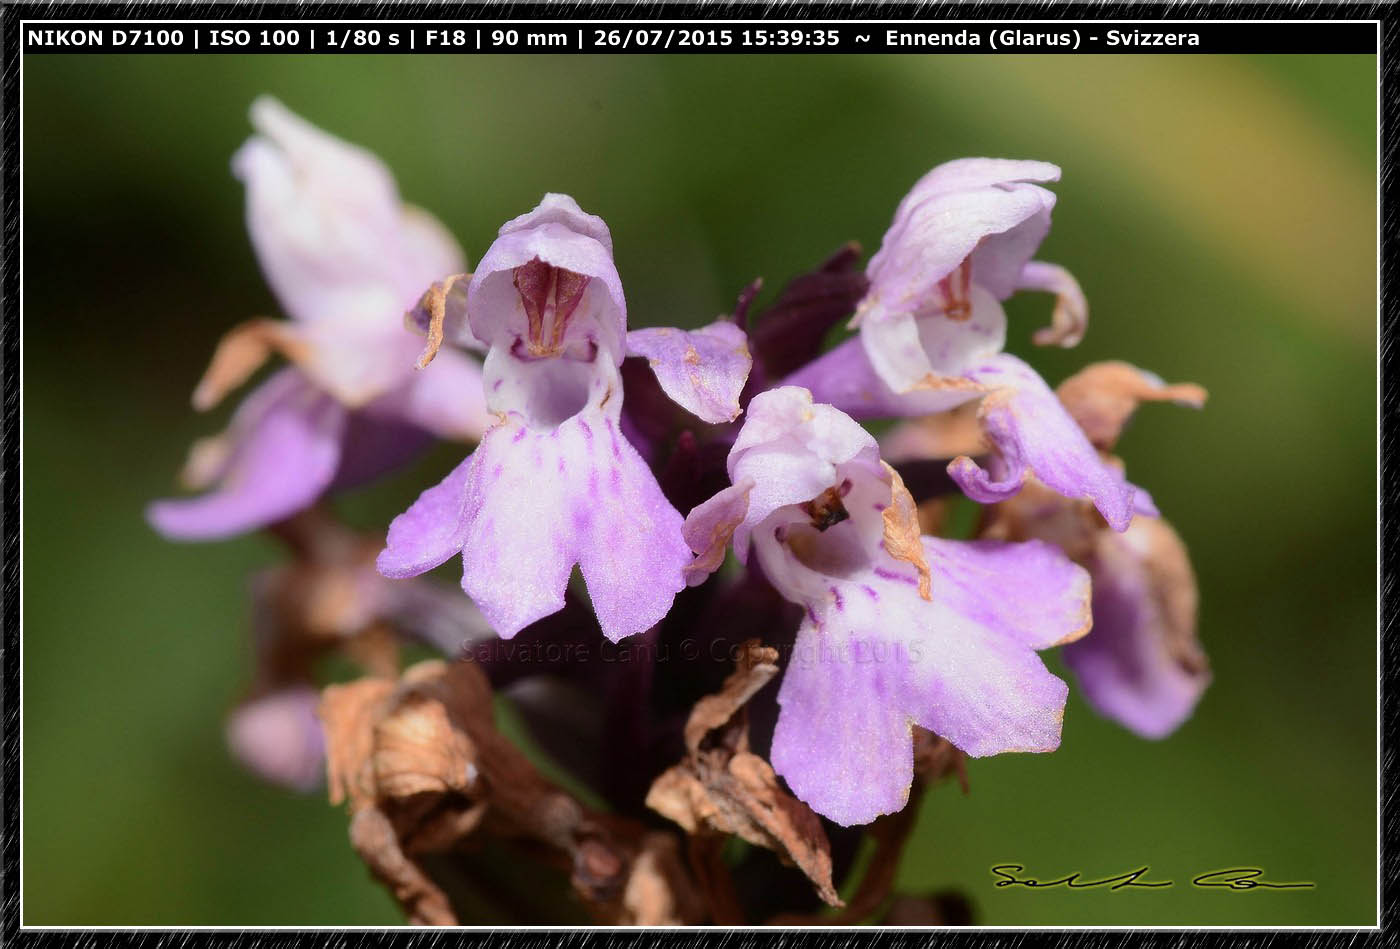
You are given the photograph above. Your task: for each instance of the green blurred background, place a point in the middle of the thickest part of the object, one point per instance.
(1219, 211)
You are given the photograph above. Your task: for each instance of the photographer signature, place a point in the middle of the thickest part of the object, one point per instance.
(1235, 878)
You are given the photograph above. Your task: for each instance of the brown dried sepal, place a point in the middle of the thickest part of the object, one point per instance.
(348, 714)
(902, 538)
(433, 305)
(424, 755)
(240, 353)
(723, 788)
(1102, 397)
(417, 749)
(375, 839)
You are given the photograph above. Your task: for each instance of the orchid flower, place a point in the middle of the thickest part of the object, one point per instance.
(899, 629)
(345, 259)
(932, 332)
(554, 482)
(1142, 665)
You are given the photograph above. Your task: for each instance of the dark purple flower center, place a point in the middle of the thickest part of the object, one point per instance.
(826, 509)
(550, 296)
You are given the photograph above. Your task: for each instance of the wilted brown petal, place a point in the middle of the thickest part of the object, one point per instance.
(722, 787)
(424, 755)
(417, 751)
(374, 838)
(347, 714)
(430, 313)
(1103, 396)
(755, 667)
(240, 353)
(902, 539)
(658, 891)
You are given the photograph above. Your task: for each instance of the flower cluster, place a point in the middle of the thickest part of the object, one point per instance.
(644, 456)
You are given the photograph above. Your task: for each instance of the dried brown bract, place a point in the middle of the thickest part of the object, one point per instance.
(430, 315)
(423, 758)
(1103, 396)
(242, 352)
(723, 788)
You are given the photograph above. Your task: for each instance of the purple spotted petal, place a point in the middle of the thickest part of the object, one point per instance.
(703, 370)
(432, 529)
(528, 505)
(843, 741)
(898, 631)
(1046, 604)
(283, 445)
(875, 656)
(1141, 665)
(1033, 434)
(579, 494)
